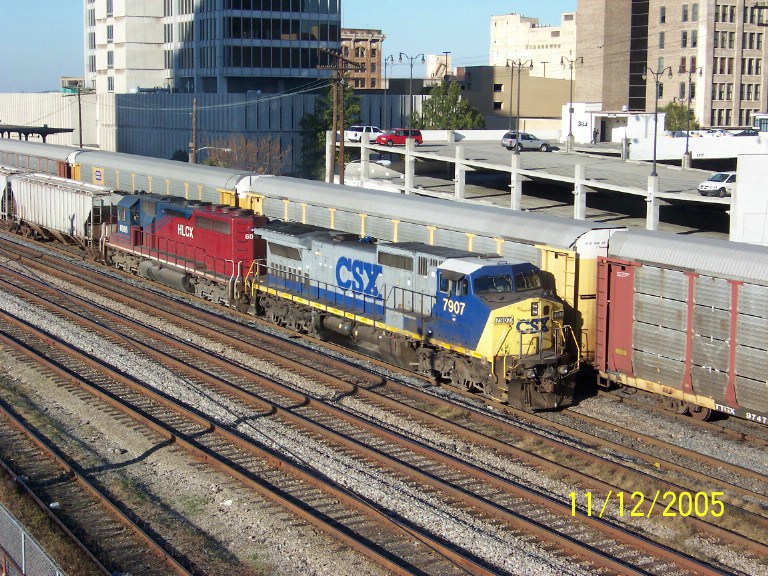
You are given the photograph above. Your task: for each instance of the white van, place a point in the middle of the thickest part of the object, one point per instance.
(355, 133)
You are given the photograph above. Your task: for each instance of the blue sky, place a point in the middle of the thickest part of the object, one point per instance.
(43, 39)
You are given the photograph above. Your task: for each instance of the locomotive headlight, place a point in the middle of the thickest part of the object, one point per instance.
(530, 373)
(563, 369)
(534, 308)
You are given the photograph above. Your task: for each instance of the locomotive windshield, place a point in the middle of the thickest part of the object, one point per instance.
(522, 281)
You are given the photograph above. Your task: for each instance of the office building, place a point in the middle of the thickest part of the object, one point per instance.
(720, 46)
(363, 47)
(516, 37)
(208, 46)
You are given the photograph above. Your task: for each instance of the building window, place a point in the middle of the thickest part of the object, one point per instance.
(497, 105)
(684, 39)
(695, 13)
(662, 14)
(110, 83)
(681, 94)
(694, 38)
(661, 39)
(731, 40)
(110, 10)
(685, 12)
(498, 87)
(110, 59)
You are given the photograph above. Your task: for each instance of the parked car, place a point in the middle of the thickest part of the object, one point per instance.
(748, 132)
(527, 142)
(355, 133)
(717, 132)
(720, 184)
(398, 136)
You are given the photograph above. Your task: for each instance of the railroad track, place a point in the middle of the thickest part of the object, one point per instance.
(84, 508)
(649, 569)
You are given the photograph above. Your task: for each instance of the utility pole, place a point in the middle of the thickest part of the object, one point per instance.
(341, 66)
(79, 93)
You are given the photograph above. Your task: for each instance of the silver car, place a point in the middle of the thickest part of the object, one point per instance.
(527, 142)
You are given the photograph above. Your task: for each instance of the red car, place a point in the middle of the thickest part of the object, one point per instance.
(398, 136)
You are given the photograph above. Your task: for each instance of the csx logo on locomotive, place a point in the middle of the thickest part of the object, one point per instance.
(533, 325)
(349, 275)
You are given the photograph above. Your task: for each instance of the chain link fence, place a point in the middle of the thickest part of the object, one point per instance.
(20, 554)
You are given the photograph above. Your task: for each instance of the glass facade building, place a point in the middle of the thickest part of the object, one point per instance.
(209, 46)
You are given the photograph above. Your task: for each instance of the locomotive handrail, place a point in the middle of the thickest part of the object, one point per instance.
(192, 259)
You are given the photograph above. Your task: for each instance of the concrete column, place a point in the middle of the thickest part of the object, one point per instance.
(516, 183)
(625, 148)
(579, 194)
(652, 210)
(686, 161)
(410, 168)
(328, 156)
(365, 159)
(461, 172)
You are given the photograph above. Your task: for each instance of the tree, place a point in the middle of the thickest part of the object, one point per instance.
(264, 155)
(446, 110)
(677, 117)
(314, 126)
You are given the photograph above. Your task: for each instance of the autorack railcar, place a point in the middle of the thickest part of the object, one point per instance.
(686, 319)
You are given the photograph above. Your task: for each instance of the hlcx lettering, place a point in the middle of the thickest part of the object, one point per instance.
(358, 276)
(186, 231)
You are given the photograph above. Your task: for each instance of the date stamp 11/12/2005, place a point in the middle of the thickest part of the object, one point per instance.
(637, 504)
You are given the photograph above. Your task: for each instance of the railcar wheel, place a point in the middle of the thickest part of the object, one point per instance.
(675, 405)
(699, 412)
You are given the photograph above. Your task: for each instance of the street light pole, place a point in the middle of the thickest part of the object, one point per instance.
(387, 61)
(571, 63)
(410, 85)
(511, 82)
(690, 73)
(519, 64)
(657, 74)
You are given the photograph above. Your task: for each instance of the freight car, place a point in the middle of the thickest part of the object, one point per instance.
(686, 319)
(483, 324)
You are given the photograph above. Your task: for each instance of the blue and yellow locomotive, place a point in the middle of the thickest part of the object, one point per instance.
(480, 323)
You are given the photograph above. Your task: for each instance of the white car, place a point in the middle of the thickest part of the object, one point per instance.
(355, 133)
(720, 184)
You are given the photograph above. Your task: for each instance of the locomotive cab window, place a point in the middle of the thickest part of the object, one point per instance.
(530, 280)
(493, 284)
(454, 285)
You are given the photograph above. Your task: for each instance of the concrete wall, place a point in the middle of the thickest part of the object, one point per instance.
(749, 204)
(54, 110)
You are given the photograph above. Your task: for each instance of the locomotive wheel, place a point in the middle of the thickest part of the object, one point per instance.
(699, 412)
